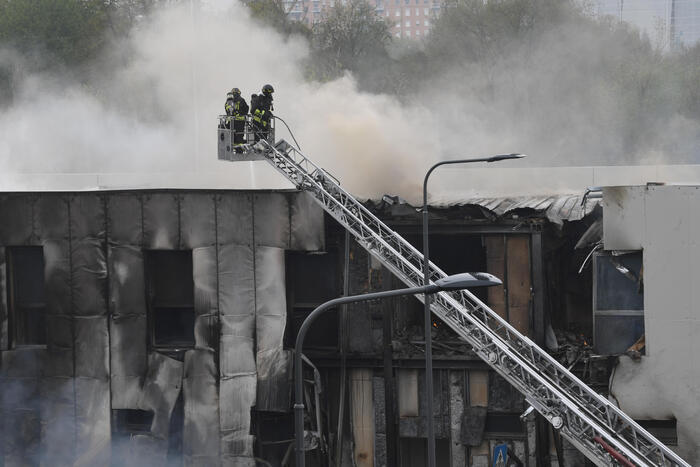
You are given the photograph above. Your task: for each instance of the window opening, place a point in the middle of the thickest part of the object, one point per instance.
(663, 430)
(128, 422)
(170, 295)
(312, 279)
(500, 425)
(618, 303)
(26, 295)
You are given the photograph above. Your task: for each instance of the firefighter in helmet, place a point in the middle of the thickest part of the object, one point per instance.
(262, 112)
(236, 110)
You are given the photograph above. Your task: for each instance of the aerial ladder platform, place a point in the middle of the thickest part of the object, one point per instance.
(589, 421)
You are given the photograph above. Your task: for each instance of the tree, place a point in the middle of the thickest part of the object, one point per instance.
(69, 31)
(351, 37)
(273, 13)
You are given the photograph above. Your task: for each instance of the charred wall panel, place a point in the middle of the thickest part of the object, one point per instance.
(206, 300)
(161, 221)
(273, 363)
(128, 345)
(201, 397)
(237, 352)
(58, 411)
(88, 274)
(271, 220)
(18, 222)
(20, 421)
(234, 218)
(198, 220)
(125, 219)
(4, 334)
(306, 226)
(97, 360)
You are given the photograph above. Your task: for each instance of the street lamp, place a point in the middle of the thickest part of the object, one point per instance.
(426, 280)
(454, 282)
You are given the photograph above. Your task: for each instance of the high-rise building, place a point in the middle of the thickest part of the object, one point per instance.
(685, 25)
(668, 23)
(408, 18)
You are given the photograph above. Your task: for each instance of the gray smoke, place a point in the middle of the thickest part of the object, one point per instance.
(149, 117)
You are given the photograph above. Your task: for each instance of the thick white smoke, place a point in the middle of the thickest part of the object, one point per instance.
(156, 113)
(149, 118)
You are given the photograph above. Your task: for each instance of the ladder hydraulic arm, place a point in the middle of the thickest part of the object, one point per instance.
(585, 418)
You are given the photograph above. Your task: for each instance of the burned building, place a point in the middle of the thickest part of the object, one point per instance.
(139, 328)
(155, 327)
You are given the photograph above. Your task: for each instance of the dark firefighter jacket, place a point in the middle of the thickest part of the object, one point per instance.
(262, 110)
(236, 108)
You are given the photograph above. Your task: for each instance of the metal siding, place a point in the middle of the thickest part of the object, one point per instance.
(17, 223)
(51, 217)
(234, 217)
(307, 223)
(161, 221)
(271, 220)
(206, 303)
(556, 208)
(4, 335)
(128, 331)
(201, 398)
(198, 220)
(273, 364)
(124, 219)
(238, 381)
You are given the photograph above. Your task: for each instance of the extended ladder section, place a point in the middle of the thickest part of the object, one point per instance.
(600, 430)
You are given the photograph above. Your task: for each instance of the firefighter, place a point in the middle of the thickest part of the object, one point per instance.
(236, 110)
(262, 112)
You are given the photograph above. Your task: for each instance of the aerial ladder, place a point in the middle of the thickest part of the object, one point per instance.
(595, 426)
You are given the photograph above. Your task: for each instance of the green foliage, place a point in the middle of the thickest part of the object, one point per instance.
(351, 37)
(272, 13)
(71, 31)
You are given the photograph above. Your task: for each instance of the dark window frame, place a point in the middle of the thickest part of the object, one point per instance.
(494, 420)
(608, 306)
(130, 422)
(153, 258)
(298, 308)
(665, 430)
(14, 305)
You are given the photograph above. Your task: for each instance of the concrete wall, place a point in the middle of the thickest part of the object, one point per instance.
(663, 221)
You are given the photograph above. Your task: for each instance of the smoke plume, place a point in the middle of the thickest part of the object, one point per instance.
(150, 111)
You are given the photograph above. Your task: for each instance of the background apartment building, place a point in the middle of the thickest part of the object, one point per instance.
(668, 23)
(409, 18)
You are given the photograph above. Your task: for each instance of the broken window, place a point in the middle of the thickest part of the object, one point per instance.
(26, 297)
(170, 295)
(503, 425)
(618, 303)
(312, 279)
(128, 422)
(663, 430)
(274, 435)
(414, 451)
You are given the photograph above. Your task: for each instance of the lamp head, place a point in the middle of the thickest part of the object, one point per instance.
(503, 157)
(466, 280)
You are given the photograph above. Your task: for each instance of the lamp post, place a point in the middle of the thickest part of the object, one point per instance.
(426, 280)
(454, 282)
